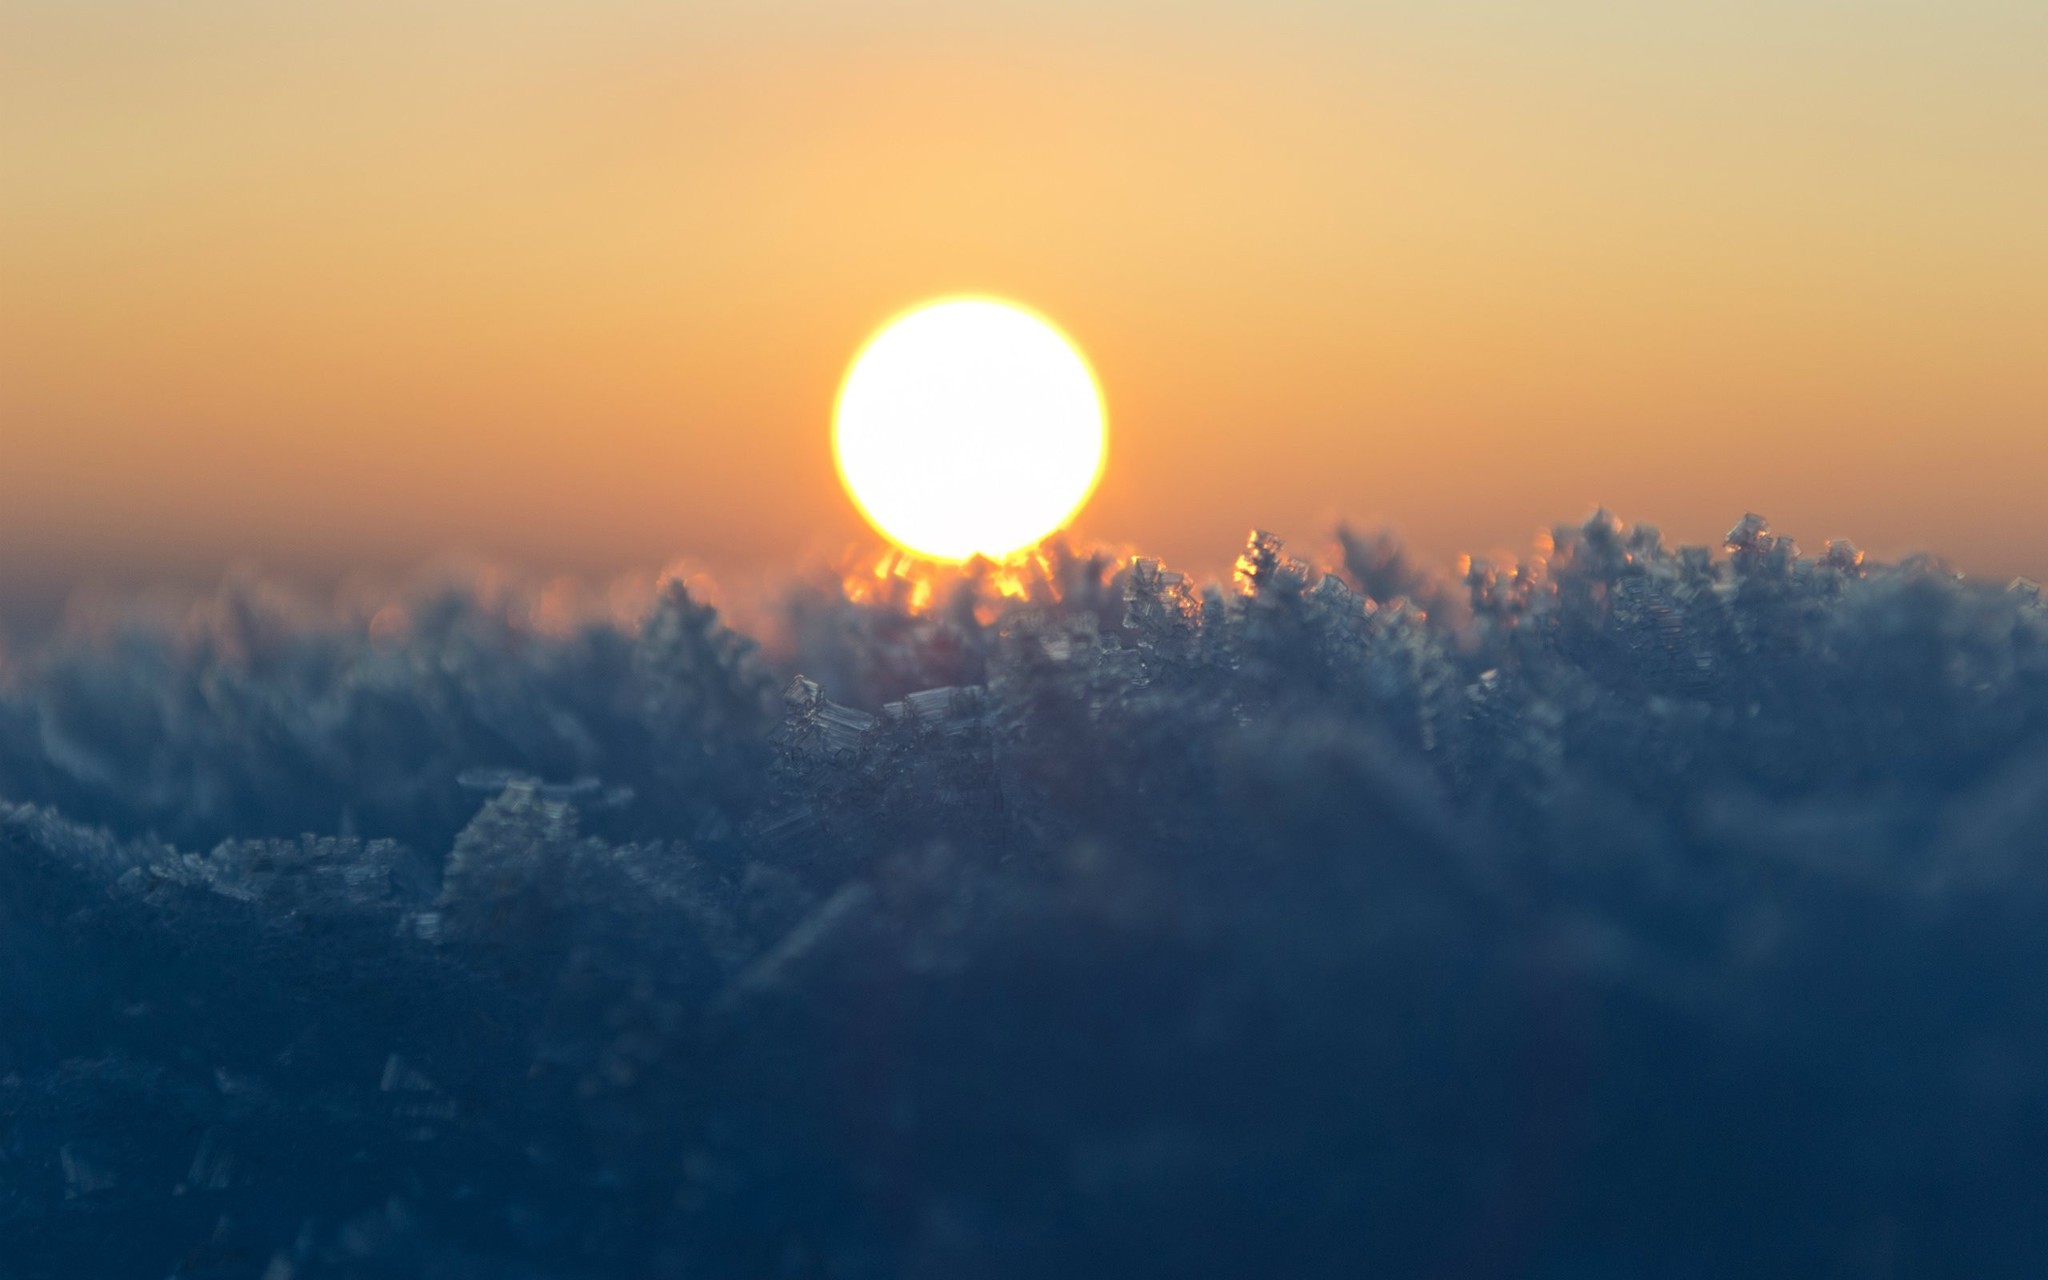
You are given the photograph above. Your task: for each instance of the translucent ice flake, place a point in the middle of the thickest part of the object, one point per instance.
(815, 725)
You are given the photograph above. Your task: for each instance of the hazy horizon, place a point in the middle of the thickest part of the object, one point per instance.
(326, 287)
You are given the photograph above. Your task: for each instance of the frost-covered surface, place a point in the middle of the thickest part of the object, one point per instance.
(1628, 912)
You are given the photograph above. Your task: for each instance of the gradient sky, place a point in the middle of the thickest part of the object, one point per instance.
(574, 282)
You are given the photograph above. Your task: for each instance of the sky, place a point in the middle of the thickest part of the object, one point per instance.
(572, 284)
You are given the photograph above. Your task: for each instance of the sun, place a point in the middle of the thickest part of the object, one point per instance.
(969, 426)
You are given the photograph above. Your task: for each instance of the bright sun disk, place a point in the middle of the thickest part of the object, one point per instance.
(969, 426)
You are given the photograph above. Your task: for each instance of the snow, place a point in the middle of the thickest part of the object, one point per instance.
(1626, 911)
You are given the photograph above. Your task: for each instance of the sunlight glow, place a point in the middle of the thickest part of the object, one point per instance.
(969, 426)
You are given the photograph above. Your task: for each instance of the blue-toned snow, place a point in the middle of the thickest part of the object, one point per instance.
(1627, 913)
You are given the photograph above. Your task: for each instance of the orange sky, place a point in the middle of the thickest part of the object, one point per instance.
(573, 283)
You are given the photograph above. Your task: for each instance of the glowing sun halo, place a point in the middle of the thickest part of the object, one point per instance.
(969, 426)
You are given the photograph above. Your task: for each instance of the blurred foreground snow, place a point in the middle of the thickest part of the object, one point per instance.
(1626, 912)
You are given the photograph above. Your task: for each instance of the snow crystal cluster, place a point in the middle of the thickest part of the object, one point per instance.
(1629, 911)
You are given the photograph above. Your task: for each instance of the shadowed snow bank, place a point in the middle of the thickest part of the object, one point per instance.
(1625, 912)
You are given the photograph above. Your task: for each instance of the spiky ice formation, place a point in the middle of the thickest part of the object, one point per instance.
(1627, 911)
